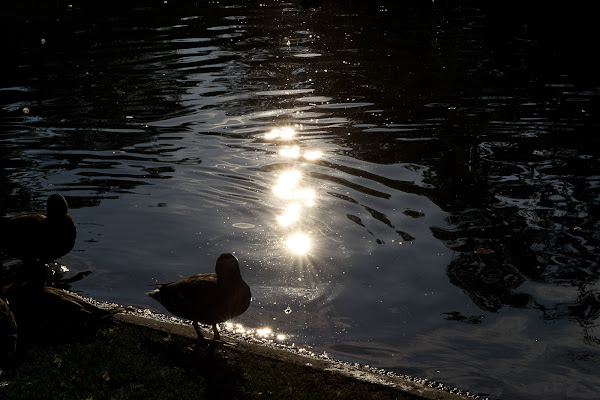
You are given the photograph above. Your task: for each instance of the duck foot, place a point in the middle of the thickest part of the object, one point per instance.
(216, 335)
(217, 338)
(201, 339)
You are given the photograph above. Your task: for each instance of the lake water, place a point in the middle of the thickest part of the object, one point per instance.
(415, 187)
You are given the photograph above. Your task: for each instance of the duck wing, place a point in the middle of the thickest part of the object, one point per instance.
(33, 235)
(195, 298)
(18, 232)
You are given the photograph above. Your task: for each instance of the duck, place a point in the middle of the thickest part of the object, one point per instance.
(30, 275)
(207, 298)
(40, 236)
(52, 313)
(8, 333)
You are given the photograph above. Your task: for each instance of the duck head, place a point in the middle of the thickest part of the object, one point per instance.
(56, 206)
(227, 266)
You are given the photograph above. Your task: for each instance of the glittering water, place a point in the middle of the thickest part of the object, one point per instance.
(414, 187)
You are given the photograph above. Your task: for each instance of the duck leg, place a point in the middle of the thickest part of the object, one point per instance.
(216, 335)
(197, 328)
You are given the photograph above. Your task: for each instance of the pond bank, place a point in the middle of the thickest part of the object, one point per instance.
(137, 357)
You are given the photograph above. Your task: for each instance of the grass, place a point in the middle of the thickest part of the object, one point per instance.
(127, 361)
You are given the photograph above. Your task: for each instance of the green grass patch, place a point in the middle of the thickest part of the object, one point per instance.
(131, 362)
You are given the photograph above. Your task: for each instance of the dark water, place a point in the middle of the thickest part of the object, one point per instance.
(441, 165)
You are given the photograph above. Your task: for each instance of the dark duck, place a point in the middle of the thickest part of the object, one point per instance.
(8, 333)
(49, 314)
(207, 298)
(39, 236)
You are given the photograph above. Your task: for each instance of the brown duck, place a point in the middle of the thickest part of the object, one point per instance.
(207, 298)
(45, 237)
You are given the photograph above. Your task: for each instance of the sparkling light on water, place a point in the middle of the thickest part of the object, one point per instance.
(264, 332)
(284, 189)
(283, 133)
(291, 188)
(290, 152)
(307, 196)
(291, 214)
(298, 243)
(313, 155)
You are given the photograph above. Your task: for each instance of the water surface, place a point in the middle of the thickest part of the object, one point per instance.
(415, 187)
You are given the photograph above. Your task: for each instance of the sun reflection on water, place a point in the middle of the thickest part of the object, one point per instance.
(294, 152)
(284, 133)
(290, 215)
(290, 152)
(264, 332)
(261, 333)
(313, 155)
(284, 189)
(307, 196)
(299, 243)
(287, 188)
(292, 188)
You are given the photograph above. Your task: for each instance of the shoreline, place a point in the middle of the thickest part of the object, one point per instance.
(136, 356)
(421, 388)
(76, 351)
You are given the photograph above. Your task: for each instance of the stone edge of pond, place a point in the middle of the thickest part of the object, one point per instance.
(421, 388)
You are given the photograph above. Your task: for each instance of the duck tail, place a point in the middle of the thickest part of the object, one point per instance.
(154, 293)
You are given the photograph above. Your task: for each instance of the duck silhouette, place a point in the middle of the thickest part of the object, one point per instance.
(207, 298)
(44, 237)
(8, 333)
(49, 313)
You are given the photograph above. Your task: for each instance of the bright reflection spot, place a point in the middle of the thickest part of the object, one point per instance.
(272, 135)
(284, 133)
(287, 181)
(289, 188)
(298, 243)
(291, 215)
(313, 155)
(236, 328)
(287, 133)
(264, 332)
(290, 152)
(285, 189)
(307, 196)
